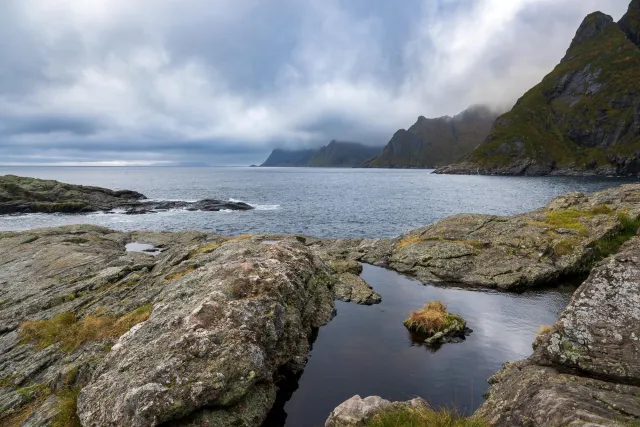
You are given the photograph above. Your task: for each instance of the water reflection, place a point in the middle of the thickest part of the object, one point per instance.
(367, 350)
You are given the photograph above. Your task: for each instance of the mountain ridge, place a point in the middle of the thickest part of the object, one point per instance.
(583, 118)
(437, 141)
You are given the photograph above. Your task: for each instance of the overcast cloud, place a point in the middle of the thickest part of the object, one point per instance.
(226, 81)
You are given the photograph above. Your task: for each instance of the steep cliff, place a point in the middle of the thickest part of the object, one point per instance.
(436, 142)
(583, 118)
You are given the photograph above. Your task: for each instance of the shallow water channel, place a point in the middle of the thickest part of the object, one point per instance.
(367, 351)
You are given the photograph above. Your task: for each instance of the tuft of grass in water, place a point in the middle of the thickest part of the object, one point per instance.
(432, 318)
(423, 417)
(70, 332)
(67, 406)
(611, 244)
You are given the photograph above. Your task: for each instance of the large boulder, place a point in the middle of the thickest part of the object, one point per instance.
(585, 369)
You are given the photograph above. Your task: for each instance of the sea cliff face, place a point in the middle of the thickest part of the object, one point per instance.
(436, 142)
(583, 118)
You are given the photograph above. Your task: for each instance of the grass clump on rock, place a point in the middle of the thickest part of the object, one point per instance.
(423, 416)
(435, 323)
(70, 332)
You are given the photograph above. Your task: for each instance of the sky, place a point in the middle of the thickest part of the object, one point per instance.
(225, 81)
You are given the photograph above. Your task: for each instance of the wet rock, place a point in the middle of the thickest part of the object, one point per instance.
(351, 288)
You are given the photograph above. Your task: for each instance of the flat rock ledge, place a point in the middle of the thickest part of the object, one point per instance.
(206, 325)
(585, 370)
(558, 242)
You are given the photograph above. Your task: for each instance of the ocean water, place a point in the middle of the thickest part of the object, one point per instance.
(318, 202)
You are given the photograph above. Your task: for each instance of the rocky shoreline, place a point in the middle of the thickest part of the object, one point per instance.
(198, 333)
(20, 195)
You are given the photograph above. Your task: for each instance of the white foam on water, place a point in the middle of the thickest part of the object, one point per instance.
(255, 206)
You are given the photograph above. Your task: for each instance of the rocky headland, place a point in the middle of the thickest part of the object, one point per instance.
(31, 195)
(435, 142)
(582, 119)
(561, 241)
(200, 331)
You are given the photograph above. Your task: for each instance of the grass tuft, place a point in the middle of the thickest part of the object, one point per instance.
(544, 329)
(67, 405)
(70, 332)
(423, 417)
(431, 319)
(611, 244)
(176, 276)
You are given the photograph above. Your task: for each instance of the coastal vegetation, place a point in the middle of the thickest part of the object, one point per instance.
(69, 332)
(434, 319)
(423, 416)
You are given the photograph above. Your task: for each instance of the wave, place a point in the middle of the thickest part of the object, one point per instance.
(256, 206)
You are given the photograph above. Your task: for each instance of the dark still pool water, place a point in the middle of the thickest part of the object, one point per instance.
(318, 202)
(367, 350)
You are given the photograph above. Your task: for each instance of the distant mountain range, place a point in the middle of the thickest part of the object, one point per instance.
(428, 143)
(436, 142)
(335, 154)
(583, 118)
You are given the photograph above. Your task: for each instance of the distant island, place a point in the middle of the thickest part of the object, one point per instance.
(335, 154)
(582, 119)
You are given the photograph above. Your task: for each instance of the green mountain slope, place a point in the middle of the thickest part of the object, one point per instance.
(343, 154)
(583, 118)
(436, 142)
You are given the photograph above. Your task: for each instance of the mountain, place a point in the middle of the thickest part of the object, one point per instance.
(583, 118)
(436, 142)
(336, 154)
(280, 157)
(343, 154)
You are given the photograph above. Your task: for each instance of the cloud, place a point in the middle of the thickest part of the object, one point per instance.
(153, 80)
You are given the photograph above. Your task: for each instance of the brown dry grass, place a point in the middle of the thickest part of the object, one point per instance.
(70, 332)
(432, 318)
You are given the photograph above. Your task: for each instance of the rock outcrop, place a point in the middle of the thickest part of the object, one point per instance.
(29, 195)
(583, 118)
(557, 242)
(357, 412)
(585, 370)
(431, 143)
(195, 335)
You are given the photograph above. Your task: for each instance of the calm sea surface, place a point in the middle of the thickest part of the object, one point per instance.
(318, 202)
